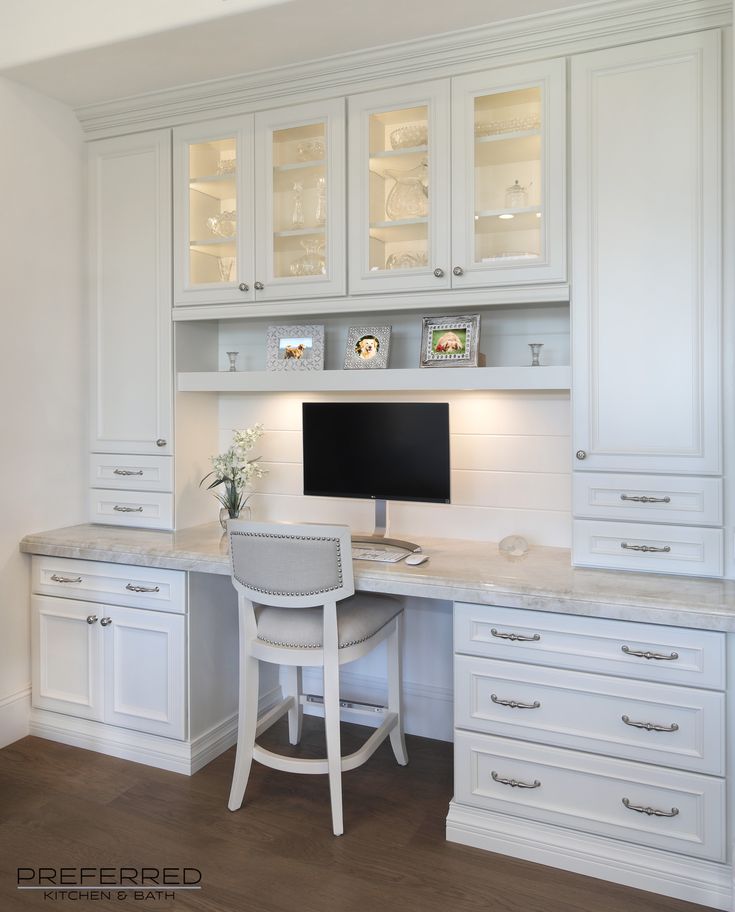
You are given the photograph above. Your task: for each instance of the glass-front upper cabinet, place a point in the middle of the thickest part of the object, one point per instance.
(508, 190)
(300, 201)
(214, 212)
(399, 189)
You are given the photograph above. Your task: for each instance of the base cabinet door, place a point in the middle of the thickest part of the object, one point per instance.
(145, 670)
(67, 657)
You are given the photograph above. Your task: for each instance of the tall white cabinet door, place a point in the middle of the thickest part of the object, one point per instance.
(399, 189)
(130, 266)
(646, 292)
(145, 670)
(214, 212)
(508, 175)
(66, 657)
(300, 201)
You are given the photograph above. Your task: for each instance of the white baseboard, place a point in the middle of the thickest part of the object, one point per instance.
(428, 710)
(185, 757)
(691, 879)
(15, 710)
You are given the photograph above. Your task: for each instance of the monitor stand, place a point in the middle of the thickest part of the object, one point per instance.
(378, 536)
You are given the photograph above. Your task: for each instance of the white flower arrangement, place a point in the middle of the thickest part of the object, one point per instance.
(235, 471)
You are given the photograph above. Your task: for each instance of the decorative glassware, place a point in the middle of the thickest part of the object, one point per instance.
(513, 546)
(409, 196)
(511, 125)
(321, 201)
(223, 225)
(535, 353)
(311, 149)
(225, 268)
(297, 216)
(312, 263)
(224, 514)
(233, 360)
(409, 136)
(226, 166)
(516, 197)
(407, 260)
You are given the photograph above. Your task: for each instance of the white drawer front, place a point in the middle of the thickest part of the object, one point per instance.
(131, 473)
(692, 657)
(657, 549)
(589, 793)
(115, 584)
(654, 723)
(648, 498)
(131, 508)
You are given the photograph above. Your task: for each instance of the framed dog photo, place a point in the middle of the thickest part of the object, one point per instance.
(295, 348)
(450, 341)
(367, 347)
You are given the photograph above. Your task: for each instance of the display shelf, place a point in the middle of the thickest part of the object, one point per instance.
(299, 232)
(398, 153)
(496, 213)
(301, 165)
(218, 187)
(331, 381)
(212, 242)
(511, 134)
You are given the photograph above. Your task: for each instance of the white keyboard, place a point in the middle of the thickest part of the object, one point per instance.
(383, 555)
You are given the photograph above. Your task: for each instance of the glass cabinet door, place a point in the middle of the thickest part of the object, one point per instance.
(399, 189)
(508, 176)
(214, 213)
(300, 201)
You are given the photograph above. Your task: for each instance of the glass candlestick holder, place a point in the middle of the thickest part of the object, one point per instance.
(535, 353)
(233, 360)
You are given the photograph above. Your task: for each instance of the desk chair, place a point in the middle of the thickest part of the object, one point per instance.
(297, 607)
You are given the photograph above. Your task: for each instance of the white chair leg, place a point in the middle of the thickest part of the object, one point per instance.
(331, 715)
(246, 725)
(295, 715)
(395, 691)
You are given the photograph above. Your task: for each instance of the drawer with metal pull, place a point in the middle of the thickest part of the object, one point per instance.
(673, 655)
(648, 498)
(131, 473)
(673, 726)
(115, 584)
(663, 808)
(654, 548)
(144, 509)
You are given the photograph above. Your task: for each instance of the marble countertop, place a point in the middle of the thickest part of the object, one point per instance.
(458, 570)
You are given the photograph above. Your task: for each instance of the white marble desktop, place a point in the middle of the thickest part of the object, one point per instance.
(458, 570)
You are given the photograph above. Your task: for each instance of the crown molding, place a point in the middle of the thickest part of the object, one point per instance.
(568, 31)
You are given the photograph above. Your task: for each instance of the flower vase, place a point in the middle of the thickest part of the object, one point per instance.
(225, 514)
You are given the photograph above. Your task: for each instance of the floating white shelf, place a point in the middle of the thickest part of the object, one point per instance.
(502, 137)
(399, 153)
(299, 232)
(301, 165)
(333, 381)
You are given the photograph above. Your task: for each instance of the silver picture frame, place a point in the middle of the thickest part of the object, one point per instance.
(295, 348)
(368, 347)
(452, 341)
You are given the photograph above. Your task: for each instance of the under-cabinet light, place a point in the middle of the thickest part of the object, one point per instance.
(506, 215)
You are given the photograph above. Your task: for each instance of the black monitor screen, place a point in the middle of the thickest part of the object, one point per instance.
(379, 450)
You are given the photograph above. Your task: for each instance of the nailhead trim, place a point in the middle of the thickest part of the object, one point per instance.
(308, 538)
(317, 645)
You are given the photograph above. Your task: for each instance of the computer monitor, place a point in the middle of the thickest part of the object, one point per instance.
(379, 451)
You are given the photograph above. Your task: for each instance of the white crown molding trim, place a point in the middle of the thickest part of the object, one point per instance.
(668, 873)
(586, 27)
(15, 709)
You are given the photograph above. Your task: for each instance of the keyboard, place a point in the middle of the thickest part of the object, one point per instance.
(384, 555)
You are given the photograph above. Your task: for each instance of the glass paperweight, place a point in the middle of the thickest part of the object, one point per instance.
(513, 546)
(535, 353)
(233, 360)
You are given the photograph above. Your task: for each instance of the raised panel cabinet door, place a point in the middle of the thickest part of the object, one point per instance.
(66, 657)
(300, 200)
(508, 176)
(145, 670)
(399, 189)
(646, 298)
(214, 212)
(130, 268)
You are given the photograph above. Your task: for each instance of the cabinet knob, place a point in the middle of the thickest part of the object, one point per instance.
(259, 286)
(105, 622)
(160, 442)
(458, 271)
(91, 618)
(243, 286)
(439, 272)
(581, 454)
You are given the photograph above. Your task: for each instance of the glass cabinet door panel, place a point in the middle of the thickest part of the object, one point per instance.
(399, 187)
(508, 178)
(300, 186)
(214, 214)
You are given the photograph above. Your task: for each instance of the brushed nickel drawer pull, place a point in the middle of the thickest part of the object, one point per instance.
(515, 783)
(644, 498)
(515, 637)
(514, 704)
(91, 619)
(650, 726)
(105, 622)
(127, 472)
(650, 655)
(118, 509)
(652, 812)
(646, 549)
(65, 579)
(131, 588)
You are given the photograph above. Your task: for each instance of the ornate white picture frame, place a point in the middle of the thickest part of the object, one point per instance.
(450, 341)
(367, 347)
(295, 348)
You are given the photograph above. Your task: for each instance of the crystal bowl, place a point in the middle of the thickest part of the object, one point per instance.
(408, 136)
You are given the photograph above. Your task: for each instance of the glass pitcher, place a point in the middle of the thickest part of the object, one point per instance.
(409, 197)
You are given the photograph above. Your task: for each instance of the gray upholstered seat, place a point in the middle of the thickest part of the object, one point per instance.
(358, 618)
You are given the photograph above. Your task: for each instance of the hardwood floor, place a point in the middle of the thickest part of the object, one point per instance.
(63, 806)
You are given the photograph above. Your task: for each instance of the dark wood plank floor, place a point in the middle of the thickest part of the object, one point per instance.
(63, 806)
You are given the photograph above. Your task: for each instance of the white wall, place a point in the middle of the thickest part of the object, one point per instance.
(42, 359)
